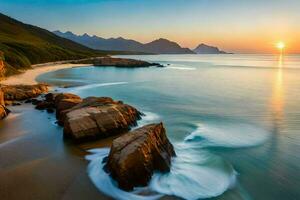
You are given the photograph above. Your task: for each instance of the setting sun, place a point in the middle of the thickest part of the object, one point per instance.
(280, 45)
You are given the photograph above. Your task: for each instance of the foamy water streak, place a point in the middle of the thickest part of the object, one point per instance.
(231, 135)
(195, 175)
(180, 67)
(90, 86)
(149, 117)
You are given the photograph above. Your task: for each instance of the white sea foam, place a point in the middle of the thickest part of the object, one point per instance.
(90, 86)
(195, 175)
(148, 118)
(231, 135)
(195, 172)
(180, 67)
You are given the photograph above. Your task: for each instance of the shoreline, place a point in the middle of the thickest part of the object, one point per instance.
(30, 75)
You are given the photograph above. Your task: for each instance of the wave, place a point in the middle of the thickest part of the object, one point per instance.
(195, 172)
(90, 86)
(181, 67)
(230, 135)
(149, 117)
(195, 175)
(214, 176)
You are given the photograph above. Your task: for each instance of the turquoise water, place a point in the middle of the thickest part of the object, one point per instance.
(233, 119)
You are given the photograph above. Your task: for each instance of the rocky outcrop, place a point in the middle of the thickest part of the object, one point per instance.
(119, 62)
(65, 101)
(98, 117)
(136, 155)
(23, 92)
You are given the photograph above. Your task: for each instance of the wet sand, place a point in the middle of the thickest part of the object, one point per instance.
(35, 162)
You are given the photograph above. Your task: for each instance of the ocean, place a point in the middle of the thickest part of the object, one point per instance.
(233, 120)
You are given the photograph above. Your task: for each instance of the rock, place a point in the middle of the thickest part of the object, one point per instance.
(136, 155)
(9, 103)
(2, 102)
(50, 97)
(3, 110)
(35, 101)
(65, 101)
(50, 110)
(28, 101)
(118, 62)
(98, 117)
(16, 104)
(62, 96)
(23, 92)
(43, 105)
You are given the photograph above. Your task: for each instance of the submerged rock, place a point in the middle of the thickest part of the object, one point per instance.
(23, 92)
(43, 105)
(136, 155)
(98, 117)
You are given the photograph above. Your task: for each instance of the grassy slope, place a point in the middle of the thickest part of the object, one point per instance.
(25, 44)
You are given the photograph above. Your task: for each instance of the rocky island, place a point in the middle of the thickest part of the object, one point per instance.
(206, 49)
(116, 62)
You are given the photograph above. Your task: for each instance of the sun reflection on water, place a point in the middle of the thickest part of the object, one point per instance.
(277, 100)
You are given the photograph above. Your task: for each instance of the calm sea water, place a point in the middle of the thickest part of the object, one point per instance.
(233, 119)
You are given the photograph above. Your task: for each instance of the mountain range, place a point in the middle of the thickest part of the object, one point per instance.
(159, 46)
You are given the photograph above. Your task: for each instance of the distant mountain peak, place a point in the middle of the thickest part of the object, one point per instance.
(207, 49)
(86, 35)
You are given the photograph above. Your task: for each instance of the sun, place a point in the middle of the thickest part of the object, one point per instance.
(280, 45)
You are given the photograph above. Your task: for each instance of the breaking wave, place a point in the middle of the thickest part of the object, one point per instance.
(195, 172)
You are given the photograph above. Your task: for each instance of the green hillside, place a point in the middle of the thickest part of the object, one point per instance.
(24, 44)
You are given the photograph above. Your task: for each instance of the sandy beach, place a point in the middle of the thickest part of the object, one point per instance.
(29, 76)
(22, 170)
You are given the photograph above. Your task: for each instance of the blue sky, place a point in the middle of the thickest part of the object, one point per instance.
(239, 26)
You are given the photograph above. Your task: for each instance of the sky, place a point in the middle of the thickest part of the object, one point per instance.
(240, 26)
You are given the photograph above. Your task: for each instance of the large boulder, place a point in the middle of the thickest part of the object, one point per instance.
(65, 101)
(136, 155)
(98, 117)
(23, 92)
